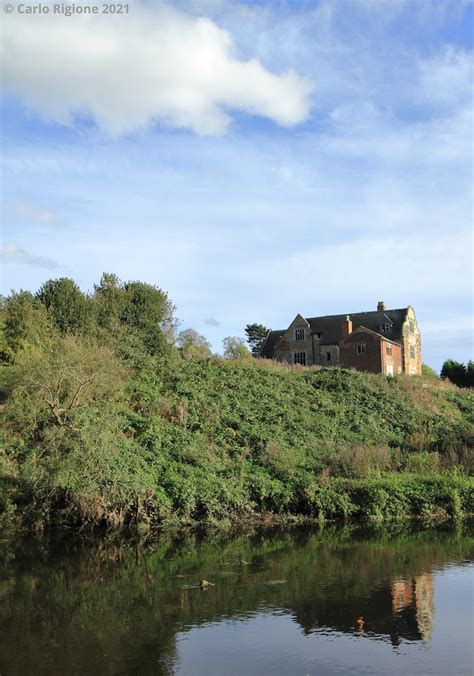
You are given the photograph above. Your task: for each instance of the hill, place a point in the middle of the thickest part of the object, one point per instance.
(107, 423)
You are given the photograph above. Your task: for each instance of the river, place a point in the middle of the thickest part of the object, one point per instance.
(279, 602)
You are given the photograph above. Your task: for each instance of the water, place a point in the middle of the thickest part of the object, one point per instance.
(290, 603)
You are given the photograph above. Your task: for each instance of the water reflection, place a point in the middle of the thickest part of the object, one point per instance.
(119, 607)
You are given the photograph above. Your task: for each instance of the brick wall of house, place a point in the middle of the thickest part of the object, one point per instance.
(370, 360)
(392, 364)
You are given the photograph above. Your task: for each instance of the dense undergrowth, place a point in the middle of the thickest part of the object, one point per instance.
(107, 423)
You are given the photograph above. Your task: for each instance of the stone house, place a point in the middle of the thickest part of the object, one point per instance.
(382, 341)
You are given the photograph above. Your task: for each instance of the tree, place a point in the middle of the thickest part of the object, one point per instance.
(256, 334)
(69, 309)
(470, 374)
(454, 371)
(235, 348)
(25, 323)
(52, 383)
(148, 310)
(109, 297)
(428, 372)
(193, 346)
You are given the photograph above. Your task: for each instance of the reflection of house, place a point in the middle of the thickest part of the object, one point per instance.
(383, 341)
(418, 593)
(402, 609)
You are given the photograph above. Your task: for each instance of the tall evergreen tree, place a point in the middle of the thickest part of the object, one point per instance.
(255, 336)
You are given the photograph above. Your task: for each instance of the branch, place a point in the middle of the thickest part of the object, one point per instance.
(85, 382)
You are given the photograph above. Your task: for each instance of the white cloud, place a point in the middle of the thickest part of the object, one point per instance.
(11, 253)
(35, 213)
(127, 72)
(447, 78)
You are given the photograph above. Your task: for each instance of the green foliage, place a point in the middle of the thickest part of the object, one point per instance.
(459, 374)
(470, 374)
(256, 334)
(193, 346)
(51, 383)
(69, 309)
(116, 427)
(428, 372)
(24, 324)
(235, 348)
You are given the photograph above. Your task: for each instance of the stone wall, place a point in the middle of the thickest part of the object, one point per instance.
(412, 359)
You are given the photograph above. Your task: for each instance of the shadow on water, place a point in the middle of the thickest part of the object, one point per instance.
(117, 606)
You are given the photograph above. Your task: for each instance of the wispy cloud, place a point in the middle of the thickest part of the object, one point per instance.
(13, 254)
(155, 64)
(212, 321)
(34, 213)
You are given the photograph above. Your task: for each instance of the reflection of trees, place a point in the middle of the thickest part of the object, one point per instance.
(115, 607)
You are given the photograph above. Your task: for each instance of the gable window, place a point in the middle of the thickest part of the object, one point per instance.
(389, 350)
(411, 325)
(328, 356)
(360, 349)
(412, 352)
(299, 358)
(299, 334)
(385, 328)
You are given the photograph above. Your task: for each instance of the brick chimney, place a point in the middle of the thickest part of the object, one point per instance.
(347, 326)
(381, 306)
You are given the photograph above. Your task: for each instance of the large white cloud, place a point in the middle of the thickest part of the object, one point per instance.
(151, 65)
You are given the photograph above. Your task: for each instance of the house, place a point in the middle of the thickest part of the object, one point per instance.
(382, 341)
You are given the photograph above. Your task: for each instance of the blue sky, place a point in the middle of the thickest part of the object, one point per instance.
(254, 160)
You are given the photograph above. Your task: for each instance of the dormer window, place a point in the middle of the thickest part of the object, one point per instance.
(299, 334)
(385, 328)
(318, 335)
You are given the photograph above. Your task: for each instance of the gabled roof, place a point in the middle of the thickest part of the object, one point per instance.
(269, 343)
(364, 329)
(331, 327)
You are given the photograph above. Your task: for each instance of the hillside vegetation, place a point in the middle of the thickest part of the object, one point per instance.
(106, 422)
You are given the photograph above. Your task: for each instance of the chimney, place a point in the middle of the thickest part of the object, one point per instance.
(347, 326)
(381, 306)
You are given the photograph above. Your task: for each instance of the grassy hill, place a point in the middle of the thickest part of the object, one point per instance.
(111, 425)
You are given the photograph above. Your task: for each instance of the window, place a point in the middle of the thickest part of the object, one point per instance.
(389, 369)
(389, 350)
(411, 325)
(318, 335)
(385, 328)
(299, 358)
(299, 334)
(328, 356)
(360, 349)
(412, 352)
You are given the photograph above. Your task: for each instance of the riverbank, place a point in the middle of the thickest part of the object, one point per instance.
(247, 442)
(108, 424)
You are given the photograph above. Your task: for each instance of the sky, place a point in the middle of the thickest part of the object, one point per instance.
(253, 159)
